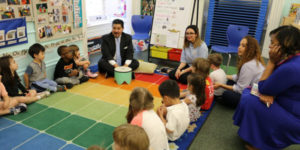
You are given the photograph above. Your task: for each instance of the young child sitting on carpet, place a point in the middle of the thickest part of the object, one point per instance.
(8, 105)
(218, 74)
(130, 137)
(35, 73)
(201, 67)
(173, 113)
(196, 96)
(13, 84)
(82, 63)
(66, 71)
(141, 113)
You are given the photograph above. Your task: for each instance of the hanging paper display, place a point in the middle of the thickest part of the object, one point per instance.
(11, 9)
(55, 19)
(13, 32)
(77, 13)
(121, 10)
(147, 7)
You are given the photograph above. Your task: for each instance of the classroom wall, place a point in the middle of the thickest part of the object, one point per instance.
(51, 56)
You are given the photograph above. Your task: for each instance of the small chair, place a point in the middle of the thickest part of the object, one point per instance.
(234, 33)
(141, 26)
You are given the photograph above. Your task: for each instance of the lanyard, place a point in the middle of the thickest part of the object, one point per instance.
(288, 58)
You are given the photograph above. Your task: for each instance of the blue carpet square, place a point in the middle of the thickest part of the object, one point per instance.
(189, 135)
(5, 123)
(72, 147)
(43, 142)
(15, 135)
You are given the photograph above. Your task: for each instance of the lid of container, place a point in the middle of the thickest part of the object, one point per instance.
(123, 69)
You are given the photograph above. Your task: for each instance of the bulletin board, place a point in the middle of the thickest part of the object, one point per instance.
(13, 32)
(170, 21)
(56, 19)
(10, 9)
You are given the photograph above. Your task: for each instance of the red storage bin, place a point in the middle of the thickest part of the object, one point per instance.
(174, 54)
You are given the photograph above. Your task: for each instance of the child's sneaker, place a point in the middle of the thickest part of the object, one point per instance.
(18, 109)
(61, 88)
(91, 75)
(83, 79)
(69, 85)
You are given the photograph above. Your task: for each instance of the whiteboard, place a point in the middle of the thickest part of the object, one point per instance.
(171, 17)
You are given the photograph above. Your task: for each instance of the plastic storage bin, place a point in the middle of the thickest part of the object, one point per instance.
(175, 54)
(159, 52)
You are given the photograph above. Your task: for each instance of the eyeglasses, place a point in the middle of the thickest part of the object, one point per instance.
(189, 33)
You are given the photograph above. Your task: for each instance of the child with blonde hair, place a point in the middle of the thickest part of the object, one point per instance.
(81, 62)
(130, 137)
(196, 96)
(141, 113)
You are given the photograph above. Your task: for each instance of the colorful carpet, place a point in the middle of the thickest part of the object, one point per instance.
(83, 116)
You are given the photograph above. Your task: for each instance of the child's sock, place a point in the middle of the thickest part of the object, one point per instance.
(18, 109)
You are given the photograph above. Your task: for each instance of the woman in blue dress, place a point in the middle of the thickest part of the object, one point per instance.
(272, 120)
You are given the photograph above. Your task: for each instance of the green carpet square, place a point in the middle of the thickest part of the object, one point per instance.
(55, 98)
(70, 127)
(46, 118)
(97, 110)
(117, 117)
(31, 110)
(74, 103)
(100, 134)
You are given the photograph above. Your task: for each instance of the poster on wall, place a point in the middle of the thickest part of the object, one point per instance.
(11, 9)
(13, 32)
(147, 7)
(170, 18)
(55, 19)
(77, 13)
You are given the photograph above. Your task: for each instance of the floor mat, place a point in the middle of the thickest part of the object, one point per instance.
(83, 116)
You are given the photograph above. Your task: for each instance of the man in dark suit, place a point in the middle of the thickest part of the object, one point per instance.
(117, 50)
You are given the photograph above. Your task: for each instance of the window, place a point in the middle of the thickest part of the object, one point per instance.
(99, 11)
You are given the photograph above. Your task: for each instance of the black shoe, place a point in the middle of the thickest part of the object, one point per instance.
(164, 69)
(69, 85)
(83, 79)
(107, 75)
(18, 109)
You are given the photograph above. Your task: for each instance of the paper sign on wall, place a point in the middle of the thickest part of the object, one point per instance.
(13, 32)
